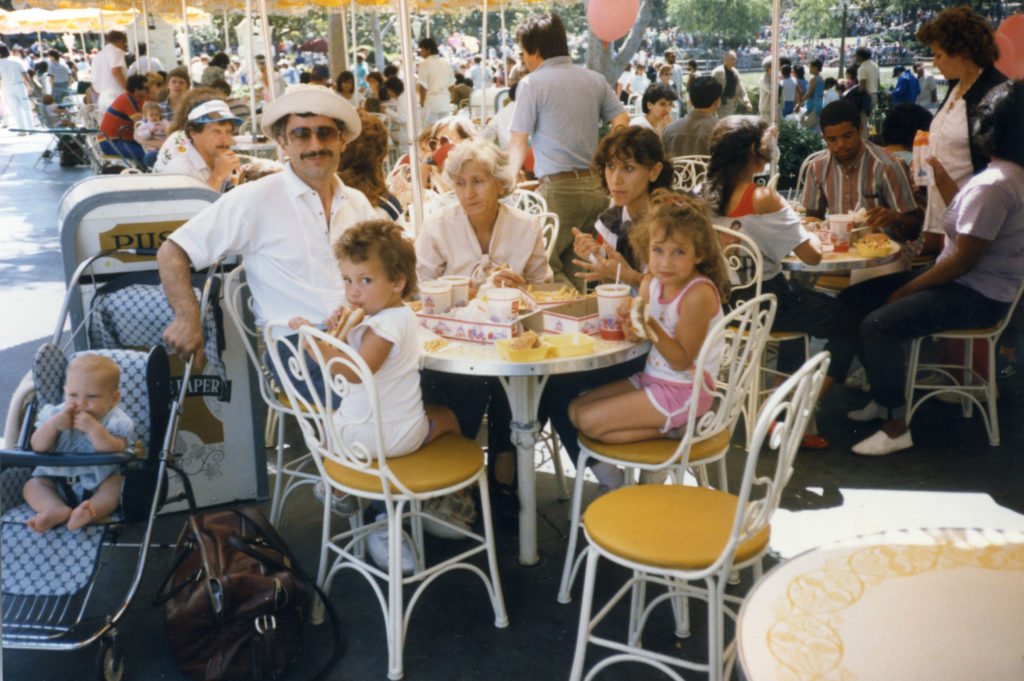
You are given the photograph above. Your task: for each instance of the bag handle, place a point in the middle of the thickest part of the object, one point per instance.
(258, 520)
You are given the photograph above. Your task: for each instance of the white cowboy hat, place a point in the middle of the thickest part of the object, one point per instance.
(313, 99)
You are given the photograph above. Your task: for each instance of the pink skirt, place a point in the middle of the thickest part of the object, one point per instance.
(673, 399)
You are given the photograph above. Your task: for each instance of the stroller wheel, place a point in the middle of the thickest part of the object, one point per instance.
(109, 660)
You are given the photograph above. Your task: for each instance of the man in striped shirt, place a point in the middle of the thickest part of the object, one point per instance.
(853, 173)
(60, 76)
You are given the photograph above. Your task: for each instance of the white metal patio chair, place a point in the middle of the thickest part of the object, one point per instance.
(741, 336)
(401, 484)
(689, 540)
(972, 386)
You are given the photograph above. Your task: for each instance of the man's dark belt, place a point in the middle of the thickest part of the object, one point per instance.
(567, 175)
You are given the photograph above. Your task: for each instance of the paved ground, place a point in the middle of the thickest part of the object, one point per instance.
(952, 478)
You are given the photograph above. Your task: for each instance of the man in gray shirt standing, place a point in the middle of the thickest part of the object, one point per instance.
(691, 134)
(561, 106)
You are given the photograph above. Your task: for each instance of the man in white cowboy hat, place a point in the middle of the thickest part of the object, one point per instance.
(209, 157)
(282, 225)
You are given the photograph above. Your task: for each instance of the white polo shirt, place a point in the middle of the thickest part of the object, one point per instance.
(277, 224)
(103, 81)
(436, 75)
(190, 163)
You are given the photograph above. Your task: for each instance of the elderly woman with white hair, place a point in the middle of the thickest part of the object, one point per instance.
(477, 233)
(472, 237)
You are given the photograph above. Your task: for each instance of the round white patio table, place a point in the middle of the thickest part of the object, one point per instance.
(524, 382)
(842, 262)
(913, 605)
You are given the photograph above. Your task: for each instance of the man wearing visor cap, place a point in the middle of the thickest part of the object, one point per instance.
(208, 157)
(282, 225)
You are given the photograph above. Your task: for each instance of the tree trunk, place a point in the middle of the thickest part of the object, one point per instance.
(337, 54)
(608, 61)
(378, 39)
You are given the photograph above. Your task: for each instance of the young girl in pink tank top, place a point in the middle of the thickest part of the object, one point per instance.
(686, 282)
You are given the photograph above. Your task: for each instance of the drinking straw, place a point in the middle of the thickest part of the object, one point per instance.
(618, 273)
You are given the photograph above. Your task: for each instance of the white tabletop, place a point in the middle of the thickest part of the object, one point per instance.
(483, 359)
(914, 605)
(842, 262)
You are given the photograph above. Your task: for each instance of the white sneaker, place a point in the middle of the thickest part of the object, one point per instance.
(653, 477)
(454, 509)
(344, 505)
(871, 411)
(881, 444)
(377, 543)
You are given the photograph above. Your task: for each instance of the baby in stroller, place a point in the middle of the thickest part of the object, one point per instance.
(88, 420)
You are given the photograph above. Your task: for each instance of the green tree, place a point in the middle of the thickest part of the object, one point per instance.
(735, 22)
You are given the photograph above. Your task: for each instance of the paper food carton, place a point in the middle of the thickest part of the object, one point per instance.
(472, 331)
(542, 296)
(579, 316)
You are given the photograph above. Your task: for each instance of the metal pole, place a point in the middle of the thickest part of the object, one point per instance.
(776, 17)
(135, 30)
(352, 65)
(254, 128)
(145, 24)
(187, 52)
(271, 66)
(483, 65)
(413, 126)
(842, 47)
(501, 38)
(227, 33)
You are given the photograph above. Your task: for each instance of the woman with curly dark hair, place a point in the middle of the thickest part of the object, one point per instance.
(965, 51)
(361, 166)
(631, 164)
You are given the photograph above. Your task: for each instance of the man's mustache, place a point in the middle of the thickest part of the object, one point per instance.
(314, 154)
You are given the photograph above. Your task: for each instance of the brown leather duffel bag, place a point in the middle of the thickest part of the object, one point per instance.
(235, 600)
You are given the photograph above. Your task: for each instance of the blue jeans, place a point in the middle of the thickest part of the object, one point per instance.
(884, 330)
(125, 149)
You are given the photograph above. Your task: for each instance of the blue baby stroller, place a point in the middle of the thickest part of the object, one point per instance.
(49, 579)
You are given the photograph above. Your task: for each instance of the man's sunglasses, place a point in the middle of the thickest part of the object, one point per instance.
(324, 133)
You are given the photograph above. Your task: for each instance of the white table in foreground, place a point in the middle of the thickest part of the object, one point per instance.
(913, 605)
(524, 383)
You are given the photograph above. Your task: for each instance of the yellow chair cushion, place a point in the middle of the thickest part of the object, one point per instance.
(447, 461)
(658, 450)
(673, 527)
(283, 399)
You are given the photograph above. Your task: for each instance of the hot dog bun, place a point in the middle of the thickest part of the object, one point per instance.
(639, 316)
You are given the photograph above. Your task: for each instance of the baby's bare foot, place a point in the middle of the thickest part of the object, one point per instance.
(46, 519)
(83, 514)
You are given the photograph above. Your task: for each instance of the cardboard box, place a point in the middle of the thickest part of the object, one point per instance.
(474, 332)
(539, 303)
(579, 316)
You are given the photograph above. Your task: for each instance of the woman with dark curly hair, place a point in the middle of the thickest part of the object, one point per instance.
(965, 51)
(631, 164)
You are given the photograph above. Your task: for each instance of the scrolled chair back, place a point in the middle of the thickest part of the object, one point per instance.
(735, 344)
(780, 427)
(689, 172)
(298, 359)
(742, 257)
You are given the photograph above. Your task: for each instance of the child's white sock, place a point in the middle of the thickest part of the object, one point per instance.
(608, 475)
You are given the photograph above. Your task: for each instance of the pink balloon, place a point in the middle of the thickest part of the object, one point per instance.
(612, 19)
(1010, 38)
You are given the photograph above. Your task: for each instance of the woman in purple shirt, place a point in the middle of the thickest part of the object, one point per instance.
(973, 281)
